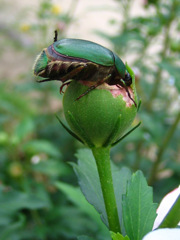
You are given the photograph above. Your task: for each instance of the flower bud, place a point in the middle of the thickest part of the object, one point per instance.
(101, 116)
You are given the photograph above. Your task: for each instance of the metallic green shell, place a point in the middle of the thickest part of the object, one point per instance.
(121, 68)
(89, 51)
(40, 63)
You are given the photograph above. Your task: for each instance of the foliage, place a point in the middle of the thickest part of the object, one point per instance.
(139, 211)
(35, 149)
(154, 148)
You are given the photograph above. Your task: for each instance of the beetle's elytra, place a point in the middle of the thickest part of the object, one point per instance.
(75, 59)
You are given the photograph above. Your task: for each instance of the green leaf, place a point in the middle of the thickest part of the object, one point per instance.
(9, 229)
(85, 238)
(38, 146)
(76, 197)
(139, 211)
(120, 181)
(69, 130)
(118, 236)
(89, 182)
(11, 201)
(25, 127)
(126, 134)
(52, 168)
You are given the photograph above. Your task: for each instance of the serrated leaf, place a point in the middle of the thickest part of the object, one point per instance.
(120, 181)
(139, 211)
(75, 195)
(89, 182)
(118, 236)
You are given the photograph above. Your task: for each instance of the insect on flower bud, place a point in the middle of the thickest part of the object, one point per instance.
(103, 115)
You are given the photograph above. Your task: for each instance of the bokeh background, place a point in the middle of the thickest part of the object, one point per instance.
(35, 150)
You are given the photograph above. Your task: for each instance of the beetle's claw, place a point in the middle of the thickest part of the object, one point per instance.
(43, 80)
(62, 86)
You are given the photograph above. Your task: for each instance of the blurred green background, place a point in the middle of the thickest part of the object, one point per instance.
(35, 149)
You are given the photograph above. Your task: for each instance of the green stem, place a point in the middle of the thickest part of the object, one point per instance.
(162, 149)
(163, 54)
(172, 218)
(71, 11)
(102, 157)
(138, 158)
(126, 14)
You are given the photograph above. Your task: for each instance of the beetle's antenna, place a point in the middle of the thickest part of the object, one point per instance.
(55, 36)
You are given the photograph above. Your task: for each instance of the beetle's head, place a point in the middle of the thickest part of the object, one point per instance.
(40, 64)
(128, 79)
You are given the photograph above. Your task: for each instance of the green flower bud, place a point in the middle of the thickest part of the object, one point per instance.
(103, 115)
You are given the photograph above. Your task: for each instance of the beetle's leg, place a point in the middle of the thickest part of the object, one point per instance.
(94, 86)
(73, 73)
(43, 80)
(62, 86)
(128, 93)
(70, 75)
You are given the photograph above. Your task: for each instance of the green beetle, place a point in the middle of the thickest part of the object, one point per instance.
(81, 60)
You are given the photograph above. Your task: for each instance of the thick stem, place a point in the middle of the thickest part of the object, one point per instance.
(70, 13)
(102, 157)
